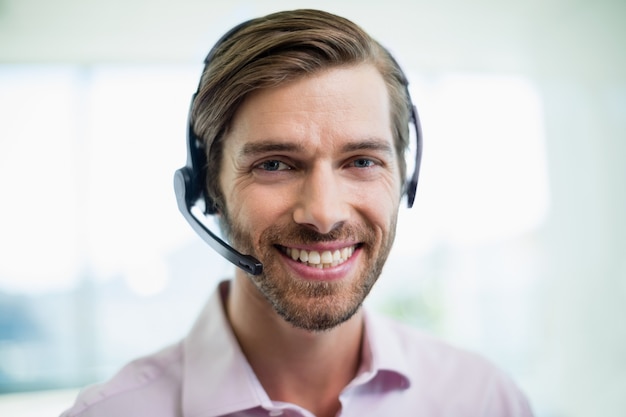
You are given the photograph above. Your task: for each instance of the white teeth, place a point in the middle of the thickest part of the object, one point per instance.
(327, 257)
(320, 260)
(314, 257)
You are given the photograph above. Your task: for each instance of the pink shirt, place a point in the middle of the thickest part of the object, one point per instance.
(404, 373)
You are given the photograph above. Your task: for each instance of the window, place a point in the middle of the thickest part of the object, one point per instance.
(98, 266)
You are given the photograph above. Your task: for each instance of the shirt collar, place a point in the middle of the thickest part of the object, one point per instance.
(384, 362)
(218, 380)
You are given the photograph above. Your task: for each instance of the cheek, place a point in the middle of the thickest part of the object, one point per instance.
(382, 217)
(254, 209)
(380, 201)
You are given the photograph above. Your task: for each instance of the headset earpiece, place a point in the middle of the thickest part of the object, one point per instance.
(195, 169)
(411, 185)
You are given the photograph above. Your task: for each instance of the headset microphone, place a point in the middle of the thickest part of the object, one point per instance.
(189, 188)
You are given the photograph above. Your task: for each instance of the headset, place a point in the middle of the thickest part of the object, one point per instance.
(190, 180)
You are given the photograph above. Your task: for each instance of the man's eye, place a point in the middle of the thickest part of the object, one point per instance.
(363, 163)
(273, 165)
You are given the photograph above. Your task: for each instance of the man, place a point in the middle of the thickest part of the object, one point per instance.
(302, 121)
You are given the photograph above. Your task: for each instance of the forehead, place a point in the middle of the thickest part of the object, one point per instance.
(342, 103)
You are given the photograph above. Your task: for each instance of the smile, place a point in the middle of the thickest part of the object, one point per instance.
(316, 259)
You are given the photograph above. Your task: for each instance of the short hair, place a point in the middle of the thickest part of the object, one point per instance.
(281, 47)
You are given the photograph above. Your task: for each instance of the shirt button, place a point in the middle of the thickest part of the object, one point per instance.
(275, 413)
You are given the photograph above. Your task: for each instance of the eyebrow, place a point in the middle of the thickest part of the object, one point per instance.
(371, 144)
(270, 146)
(255, 148)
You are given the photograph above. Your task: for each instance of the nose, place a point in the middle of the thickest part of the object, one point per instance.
(322, 205)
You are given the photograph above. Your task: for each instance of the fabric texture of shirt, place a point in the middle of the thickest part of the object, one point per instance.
(404, 372)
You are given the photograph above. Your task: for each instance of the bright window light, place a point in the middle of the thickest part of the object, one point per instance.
(38, 178)
(484, 173)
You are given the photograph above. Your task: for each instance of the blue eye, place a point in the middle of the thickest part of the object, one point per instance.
(363, 163)
(273, 165)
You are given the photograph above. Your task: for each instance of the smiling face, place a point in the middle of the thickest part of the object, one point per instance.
(311, 184)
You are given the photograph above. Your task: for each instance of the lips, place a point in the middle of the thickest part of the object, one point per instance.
(320, 259)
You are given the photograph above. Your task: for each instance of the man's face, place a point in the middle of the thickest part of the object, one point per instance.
(311, 184)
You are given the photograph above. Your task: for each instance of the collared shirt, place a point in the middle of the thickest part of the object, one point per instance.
(403, 373)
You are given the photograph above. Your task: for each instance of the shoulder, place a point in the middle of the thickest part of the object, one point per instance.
(155, 379)
(453, 377)
(419, 347)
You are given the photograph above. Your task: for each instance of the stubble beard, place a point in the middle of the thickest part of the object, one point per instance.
(313, 305)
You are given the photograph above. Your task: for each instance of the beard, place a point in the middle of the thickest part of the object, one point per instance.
(306, 304)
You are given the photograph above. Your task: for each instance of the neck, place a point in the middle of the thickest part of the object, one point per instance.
(294, 365)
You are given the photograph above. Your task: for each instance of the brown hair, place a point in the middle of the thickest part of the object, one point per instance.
(280, 47)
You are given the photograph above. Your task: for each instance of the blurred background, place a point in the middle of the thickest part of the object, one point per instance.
(515, 247)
